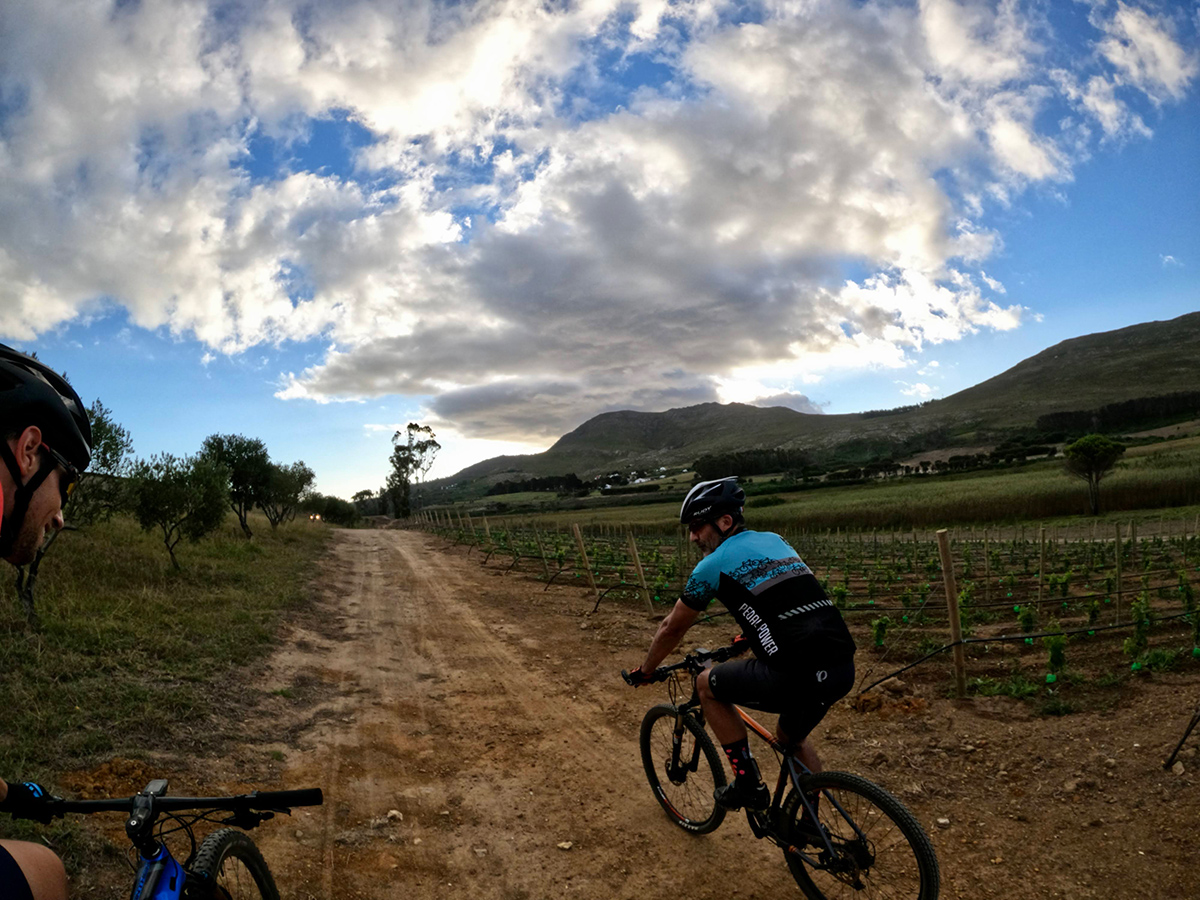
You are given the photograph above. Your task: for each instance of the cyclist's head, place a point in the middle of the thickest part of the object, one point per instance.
(708, 501)
(34, 396)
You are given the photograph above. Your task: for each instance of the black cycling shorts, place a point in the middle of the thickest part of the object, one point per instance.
(800, 698)
(13, 885)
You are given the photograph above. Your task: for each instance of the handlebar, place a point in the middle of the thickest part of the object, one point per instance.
(270, 801)
(693, 662)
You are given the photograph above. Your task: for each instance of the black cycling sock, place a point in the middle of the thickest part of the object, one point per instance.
(745, 769)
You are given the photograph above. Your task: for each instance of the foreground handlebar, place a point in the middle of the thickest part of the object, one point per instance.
(275, 801)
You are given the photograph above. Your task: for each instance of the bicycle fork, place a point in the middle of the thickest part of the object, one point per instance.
(678, 769)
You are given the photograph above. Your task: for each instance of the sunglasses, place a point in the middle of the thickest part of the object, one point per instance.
(697, 526)
(65, 485)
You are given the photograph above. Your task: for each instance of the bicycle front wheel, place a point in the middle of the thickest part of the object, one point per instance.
(229, 867)
(879, 848)
(682, 777)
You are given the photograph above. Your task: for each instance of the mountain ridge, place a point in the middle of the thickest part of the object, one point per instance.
(1081, 373)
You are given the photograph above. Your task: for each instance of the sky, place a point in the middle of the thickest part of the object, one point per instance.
(313, 223)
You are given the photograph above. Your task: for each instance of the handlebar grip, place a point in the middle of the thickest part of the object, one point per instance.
(275, 799)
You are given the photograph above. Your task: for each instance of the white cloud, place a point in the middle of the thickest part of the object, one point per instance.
(1144, 51)
(983, 43)
(920, 389)
(521, 239)
(992, 283)
(1168, 260)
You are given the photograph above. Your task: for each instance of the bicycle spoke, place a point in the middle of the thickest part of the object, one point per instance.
(879, 850)
(693, 798)
(683, 782)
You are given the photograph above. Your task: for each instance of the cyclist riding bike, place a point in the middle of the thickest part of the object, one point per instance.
(45, 442)
(803, 653)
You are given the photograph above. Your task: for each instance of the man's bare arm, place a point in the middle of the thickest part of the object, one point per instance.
(670, 632)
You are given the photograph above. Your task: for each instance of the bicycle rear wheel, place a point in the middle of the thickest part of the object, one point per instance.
(229, 867)
(683, 782)
(880, 850)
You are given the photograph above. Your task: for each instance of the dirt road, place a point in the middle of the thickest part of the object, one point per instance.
(473, 737)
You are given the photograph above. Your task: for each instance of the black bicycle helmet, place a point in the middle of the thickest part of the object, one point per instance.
(32, 393)
(709, 500)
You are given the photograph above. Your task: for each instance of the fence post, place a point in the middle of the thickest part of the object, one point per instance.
(987, 570)
(960, 659)
(471, 539)
(1119, 588)
(542, 550)
(1041, 567)
(587, 566)
(637, 564)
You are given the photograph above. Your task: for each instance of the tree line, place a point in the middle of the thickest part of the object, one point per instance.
(184, 497)
(1123, 415)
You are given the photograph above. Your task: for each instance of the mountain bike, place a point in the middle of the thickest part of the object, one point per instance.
(841, 835)
(226, 865)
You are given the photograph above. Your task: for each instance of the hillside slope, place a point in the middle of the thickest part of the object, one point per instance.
(1082, 373)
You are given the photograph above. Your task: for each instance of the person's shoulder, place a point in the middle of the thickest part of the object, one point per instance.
(770, 543)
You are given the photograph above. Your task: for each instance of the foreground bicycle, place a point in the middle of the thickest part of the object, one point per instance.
(868, 843)
(225, 866)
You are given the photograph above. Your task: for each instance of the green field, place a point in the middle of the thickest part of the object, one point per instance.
(1150, 480)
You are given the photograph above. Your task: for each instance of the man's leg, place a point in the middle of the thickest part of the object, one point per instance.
(807, 754)
(726, 724)
(747, 788)
(42, 869)
(805, 751)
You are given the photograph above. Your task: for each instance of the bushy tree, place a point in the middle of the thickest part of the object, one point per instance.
(182, 497)
(99, 493)
(1091, 458)
(334, 510)
(368, 502)
(249, 468)
(285, 488)
(410, 461)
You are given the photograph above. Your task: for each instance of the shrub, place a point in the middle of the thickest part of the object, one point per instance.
(1056, 646)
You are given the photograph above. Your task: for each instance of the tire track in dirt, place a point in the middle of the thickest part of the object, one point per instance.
(496, 731)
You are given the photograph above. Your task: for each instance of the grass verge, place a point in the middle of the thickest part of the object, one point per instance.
(133, 656)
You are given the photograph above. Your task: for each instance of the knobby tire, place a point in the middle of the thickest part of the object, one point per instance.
(688, 799)
(896, 860)
(229, 866)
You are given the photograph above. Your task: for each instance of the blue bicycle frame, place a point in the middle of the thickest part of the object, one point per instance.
(159, 878)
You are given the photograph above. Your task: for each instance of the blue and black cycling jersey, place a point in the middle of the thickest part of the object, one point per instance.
(782, 608)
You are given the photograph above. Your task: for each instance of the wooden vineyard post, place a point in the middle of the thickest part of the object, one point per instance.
(487, 532)
(637, 564)
(987, 570)
(542, 550)
(587, 566)
(960, 658)
(1118, 527)
(471, 531)
(1041, 567)
(1133, 544)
